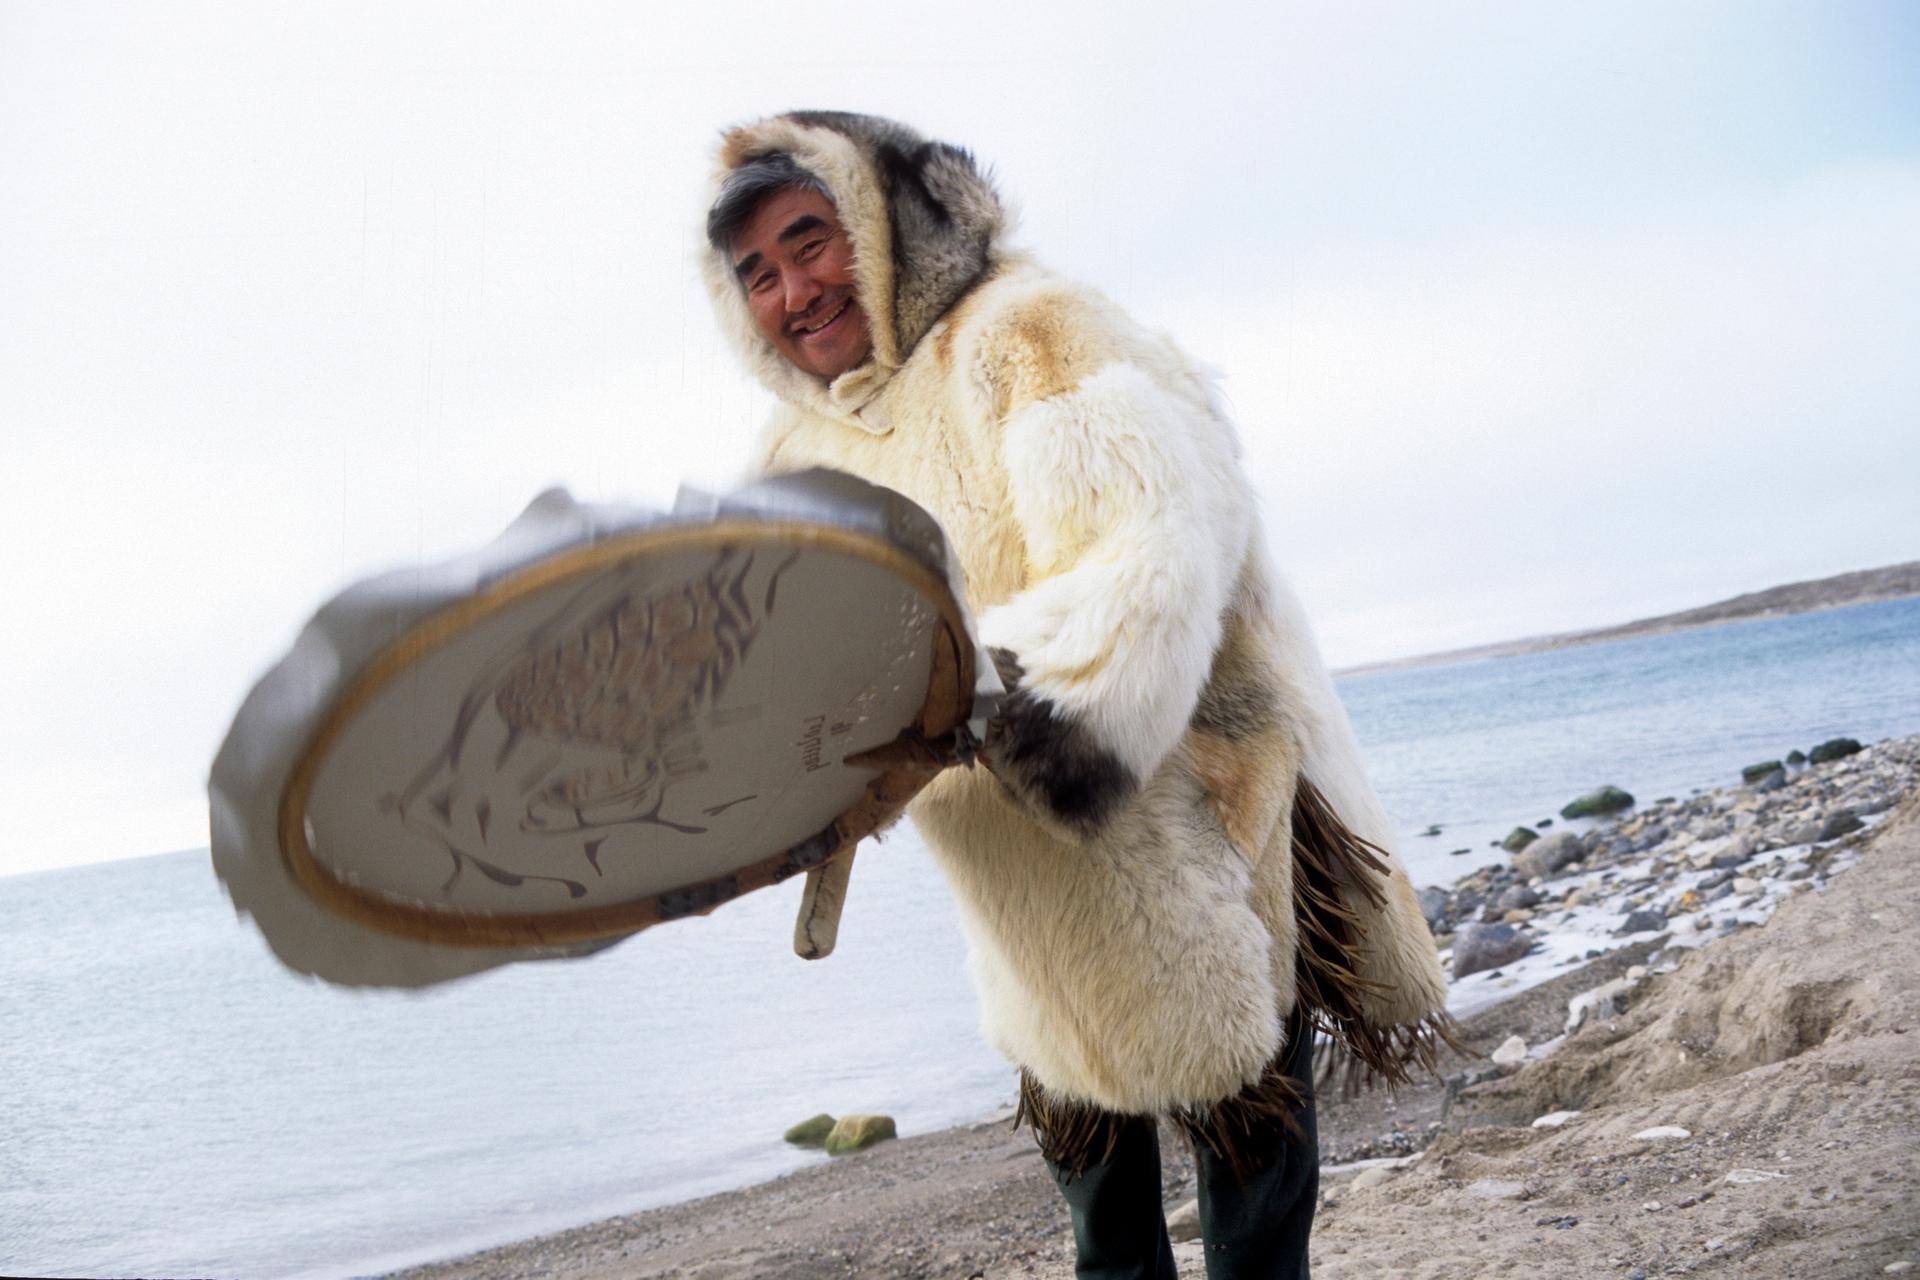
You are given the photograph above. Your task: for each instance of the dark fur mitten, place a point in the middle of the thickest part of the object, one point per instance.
(1049, 760)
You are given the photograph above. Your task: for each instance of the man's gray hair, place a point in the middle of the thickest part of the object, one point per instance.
(747, 186)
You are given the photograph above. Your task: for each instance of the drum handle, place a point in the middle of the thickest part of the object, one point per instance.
(911, 757)
(818, 925)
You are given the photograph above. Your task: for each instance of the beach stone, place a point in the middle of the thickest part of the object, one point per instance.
(857, 1133)
(1872, 804)
(1796, 756)
(1497, 1189)
(1519, 838)
(1839, 824)
(1772, 782)
(1608, 799)
(1433, 905)
(1754, 772)
(1752, 1177)
(1662, 1133)
(811, 1132)
(1372, 1177)
(1833, 749)
(1645, 920)
(1487, 946)
(1745, 884)
(1547, 855)
(1652, 838)
(1805, 833)
(1183, 1223)
(1512, 1050)
(1600, 1003)
(1554, 1119)
(1521, 896)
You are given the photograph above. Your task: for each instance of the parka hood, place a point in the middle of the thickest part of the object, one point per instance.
(924, 222)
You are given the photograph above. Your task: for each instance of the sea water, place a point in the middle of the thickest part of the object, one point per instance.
(173, 1102)
(1479, 747)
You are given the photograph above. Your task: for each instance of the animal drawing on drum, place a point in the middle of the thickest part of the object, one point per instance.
(584, 729)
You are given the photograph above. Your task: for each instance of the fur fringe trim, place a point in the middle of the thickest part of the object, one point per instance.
(1274, 1101)
(1334, 867)
(1072, 1134)
(1076, 1135)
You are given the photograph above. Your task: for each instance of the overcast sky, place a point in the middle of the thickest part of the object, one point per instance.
(1533, 316)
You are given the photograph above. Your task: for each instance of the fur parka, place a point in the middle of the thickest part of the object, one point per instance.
(1175, 845)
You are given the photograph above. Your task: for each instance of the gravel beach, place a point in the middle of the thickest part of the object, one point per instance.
(1698, 1024)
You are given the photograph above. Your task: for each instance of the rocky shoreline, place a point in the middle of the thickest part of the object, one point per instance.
(1693, 869)
(1605, 924)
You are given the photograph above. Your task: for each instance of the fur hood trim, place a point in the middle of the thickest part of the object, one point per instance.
(925, 224)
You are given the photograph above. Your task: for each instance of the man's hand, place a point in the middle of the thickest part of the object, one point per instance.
(1050, 761)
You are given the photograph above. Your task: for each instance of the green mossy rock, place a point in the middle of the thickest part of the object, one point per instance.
(1796, 756)
(811, 1132)
(1608, 799)
(1755, 772)
(857, 1133)
(1833, 749)
(1519, 838)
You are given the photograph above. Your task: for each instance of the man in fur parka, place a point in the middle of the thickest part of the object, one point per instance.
(1172, 870)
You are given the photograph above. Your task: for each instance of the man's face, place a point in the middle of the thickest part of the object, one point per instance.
(796, 264)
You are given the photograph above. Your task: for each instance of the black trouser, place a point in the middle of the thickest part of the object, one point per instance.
(1255, 1227)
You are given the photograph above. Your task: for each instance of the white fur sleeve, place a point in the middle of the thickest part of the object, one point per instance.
(1136, 520)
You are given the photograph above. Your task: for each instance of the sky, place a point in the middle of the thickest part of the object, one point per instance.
(1533, 316)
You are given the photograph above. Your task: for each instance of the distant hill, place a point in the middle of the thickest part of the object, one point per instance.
(1894, 582)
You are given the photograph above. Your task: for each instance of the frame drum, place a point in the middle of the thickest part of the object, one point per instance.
(606, 719)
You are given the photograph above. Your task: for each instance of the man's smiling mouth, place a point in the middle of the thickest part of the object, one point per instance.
(807, 330)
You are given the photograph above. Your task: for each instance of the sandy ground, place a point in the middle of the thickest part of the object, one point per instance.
(1789, 1055)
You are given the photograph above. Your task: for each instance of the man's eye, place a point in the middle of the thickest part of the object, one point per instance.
(761, 283)
(811, 248)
